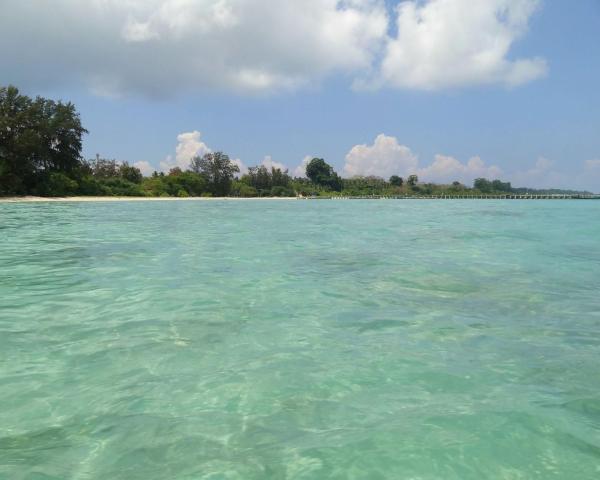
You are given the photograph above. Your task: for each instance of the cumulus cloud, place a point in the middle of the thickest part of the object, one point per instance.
(300, 170)
(456, 43)
(168, 47)
(541, 175)
(384, 158)
(161, 47)
(270, 163)
(267, 162)
(545, 173)
(243, 168)
(189, 145)
(145, 167)
(446, 169)
(387, 157)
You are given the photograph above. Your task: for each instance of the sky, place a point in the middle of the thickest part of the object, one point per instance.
(445, 89)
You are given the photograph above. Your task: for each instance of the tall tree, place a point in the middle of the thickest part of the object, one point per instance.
(483, 185)
(130, 173)
(37, 137)
(263, 179)
(323, 174)
(218, 171)
(396, 181)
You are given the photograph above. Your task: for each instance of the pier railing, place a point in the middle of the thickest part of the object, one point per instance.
(457, 197)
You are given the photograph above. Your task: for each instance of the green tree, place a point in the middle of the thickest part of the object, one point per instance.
(499, 186)
(193, 183)
(242, 189)
(483, 185)
(412, 180)
(258, 177)
(396, 181)
(123, 188)
(58, 184)
(280, 178)
(264, 180)
(280, 191)
(218, 171)
(130, 173)
(37, 137)
(102, 168)
(323, 174)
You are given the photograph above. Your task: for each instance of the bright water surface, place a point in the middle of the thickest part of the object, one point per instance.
(300, 340)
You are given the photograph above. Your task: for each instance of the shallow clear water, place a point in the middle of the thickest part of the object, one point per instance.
(300, 340)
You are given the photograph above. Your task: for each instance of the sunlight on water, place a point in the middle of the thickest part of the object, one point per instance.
(300, 340)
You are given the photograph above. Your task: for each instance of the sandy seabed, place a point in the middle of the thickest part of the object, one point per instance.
(133, 199)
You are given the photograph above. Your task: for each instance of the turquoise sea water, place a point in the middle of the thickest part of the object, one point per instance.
(300, 340)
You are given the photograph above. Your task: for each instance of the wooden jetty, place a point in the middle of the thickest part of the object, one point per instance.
(458, 197)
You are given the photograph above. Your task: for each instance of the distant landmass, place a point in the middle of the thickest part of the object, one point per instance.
(40, 154)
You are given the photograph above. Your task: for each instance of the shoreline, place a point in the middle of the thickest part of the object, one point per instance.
(83, 199)
(32, 199)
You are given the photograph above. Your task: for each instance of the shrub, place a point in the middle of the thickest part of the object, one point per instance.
(58, 185)
(282, 192)
(240, 189)
(123, 188)
(91, 186)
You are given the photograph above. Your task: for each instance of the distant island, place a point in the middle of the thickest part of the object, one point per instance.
(40, 155)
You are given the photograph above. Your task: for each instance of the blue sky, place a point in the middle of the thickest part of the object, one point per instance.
(370, 89)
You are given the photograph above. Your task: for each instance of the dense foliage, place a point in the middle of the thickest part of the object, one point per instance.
(262, 181)
(218, 171)
(40, 144)
(322, 174)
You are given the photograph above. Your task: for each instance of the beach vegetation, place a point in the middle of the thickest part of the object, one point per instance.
(38, 137)
(218, 171)
(396, 181)
(40, 154)
(322, 174)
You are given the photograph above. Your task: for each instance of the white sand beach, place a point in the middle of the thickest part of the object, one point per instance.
(30, 199)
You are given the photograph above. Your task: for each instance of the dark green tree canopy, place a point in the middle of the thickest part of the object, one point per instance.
(483, 185)
(218, 171)
(396, 181)
(130, 173)
(37, 137)
(323, 174)
(264, 180)
(496, 186)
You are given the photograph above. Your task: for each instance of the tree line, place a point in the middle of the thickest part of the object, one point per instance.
(40, 154)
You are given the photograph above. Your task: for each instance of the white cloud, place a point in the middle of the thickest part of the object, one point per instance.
(445, 169)
(243, 168)
(456, 43)
(169, 47)
(145, 167)
(164, 47)
(386, 157)
(269, 163)
(300, 170)
(546, 174)
(188, 146)
(541, 175)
